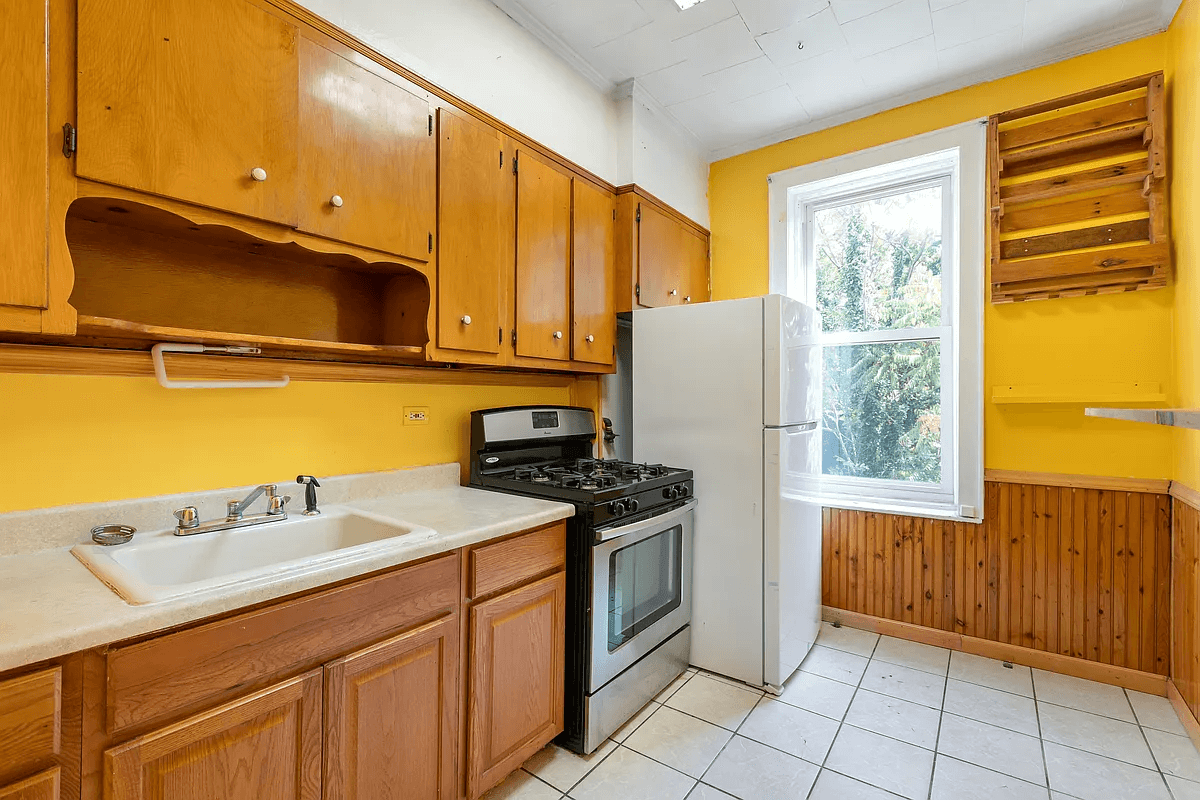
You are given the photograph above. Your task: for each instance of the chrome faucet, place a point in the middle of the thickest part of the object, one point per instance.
(189, 517)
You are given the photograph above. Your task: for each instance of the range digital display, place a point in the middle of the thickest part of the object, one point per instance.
(545, 419)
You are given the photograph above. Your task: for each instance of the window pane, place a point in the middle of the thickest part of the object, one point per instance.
(883, 411)
(879, 262)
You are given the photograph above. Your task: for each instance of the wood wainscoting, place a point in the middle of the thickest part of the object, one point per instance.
(1067, 569)
(1185, 596)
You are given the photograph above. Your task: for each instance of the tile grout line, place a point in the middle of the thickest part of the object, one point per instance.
(937, 740)
(842, 722)
(1141, 729)
(1037, 717)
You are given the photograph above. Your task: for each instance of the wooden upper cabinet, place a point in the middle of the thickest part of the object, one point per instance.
(193, 101)
(594, 316)
(516, 679)
(693, 284)
(662, 258)
(474, 234)
(660, 255)
(23, 154)
(543, 308)
(391, 719)
(266, 746)
(368, 157)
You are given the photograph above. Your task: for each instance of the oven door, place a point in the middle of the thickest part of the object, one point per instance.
(642, 585)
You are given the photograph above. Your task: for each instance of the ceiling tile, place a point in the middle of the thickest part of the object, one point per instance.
(895, 25)
(820, 34)
(825, 98)
(723, 125)
(975, 19)
(745, 79)
(907, 66)
(635, 54)
(675, 23)
(676, 83)
(586, 23)
(846, 10)
(763, 16)
(720, 46)
(996, 50)
(1053, 22)
(938, 5)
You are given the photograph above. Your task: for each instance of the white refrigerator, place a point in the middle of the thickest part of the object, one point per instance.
(732, 391)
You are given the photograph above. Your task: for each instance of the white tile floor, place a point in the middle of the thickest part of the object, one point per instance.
(873, 718)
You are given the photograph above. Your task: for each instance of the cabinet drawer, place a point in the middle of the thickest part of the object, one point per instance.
(185, 671)
(514, 561)
(30, 721)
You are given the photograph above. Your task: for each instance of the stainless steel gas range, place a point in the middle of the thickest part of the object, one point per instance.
(629, 558)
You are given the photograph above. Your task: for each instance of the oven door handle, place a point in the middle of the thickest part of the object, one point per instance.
(657, 521)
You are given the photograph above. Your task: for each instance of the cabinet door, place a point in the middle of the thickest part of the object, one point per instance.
(694, 284)
(593, 314)
(368, 159)
(188, 100)
(43, 786)
(23, 150)
(266, 746)
(516, 679)
(474, 205)
(660, 258)
(543, 260)
(392, 718)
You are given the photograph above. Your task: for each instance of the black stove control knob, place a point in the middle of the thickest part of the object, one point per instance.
(616, 508)
(681, 490)
(670, 493)
(633, 504)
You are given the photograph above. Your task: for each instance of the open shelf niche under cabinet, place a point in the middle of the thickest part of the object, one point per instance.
(145, 275)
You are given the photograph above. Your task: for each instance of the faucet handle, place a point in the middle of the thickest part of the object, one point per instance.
(275, 503)
(188, 517)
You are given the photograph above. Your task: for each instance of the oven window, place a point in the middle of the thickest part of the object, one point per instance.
(644, 584)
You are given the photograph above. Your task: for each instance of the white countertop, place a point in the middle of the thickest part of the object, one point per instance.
(52, 605)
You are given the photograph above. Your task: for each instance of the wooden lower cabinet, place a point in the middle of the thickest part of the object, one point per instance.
(391, 718)
(266, 746)
(43, 786)
(516, 679)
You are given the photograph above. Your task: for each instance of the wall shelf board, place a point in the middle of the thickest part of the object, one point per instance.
(1172, 417)
(1077, 394)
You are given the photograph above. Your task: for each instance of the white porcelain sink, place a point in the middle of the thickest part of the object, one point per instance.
(161, 566)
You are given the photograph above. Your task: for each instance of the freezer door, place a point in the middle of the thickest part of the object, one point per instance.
(791, 362)
(791, 549)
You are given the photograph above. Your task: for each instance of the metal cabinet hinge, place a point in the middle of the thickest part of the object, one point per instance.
(614, 215)
(514, 165)
(637, 290)
(431, 242)
(639, 213)
(514, 337)
(70, 140)
(500, 335)
(431, 124)
(501, 159)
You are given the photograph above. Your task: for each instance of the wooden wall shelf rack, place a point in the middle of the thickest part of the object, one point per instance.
(1078, 194)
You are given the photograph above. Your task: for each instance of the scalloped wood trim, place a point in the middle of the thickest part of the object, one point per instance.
(1148, 485)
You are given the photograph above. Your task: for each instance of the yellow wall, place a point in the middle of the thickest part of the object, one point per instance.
(1121, 338)
(1184, 76)
(71, 439)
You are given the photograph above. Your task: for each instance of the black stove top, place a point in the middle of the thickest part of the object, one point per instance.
(587, 474)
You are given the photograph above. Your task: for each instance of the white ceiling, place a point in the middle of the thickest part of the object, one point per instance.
(732, 74)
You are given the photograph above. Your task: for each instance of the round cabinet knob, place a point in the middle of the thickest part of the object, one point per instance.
(259, 174)
(589, 338)
(687, 299)
(674, 292)
(558, 334)
(336, 201)
(466, 320)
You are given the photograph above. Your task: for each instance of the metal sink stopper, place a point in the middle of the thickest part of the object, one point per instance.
(108, 535)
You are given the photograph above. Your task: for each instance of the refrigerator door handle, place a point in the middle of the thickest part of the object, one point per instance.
(792, 430)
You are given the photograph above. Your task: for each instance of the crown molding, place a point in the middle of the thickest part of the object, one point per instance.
(520, 15)
(1111, 38)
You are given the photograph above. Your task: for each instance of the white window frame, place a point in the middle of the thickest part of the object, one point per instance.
(954, 158)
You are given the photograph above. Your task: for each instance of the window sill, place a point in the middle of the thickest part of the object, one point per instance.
(897, 507)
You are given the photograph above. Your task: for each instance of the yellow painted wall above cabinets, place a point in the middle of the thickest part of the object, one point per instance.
(1117, 338)
(1183, 80)
(72, 439)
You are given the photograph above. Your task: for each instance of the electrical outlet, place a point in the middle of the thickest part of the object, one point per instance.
(416, 415)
